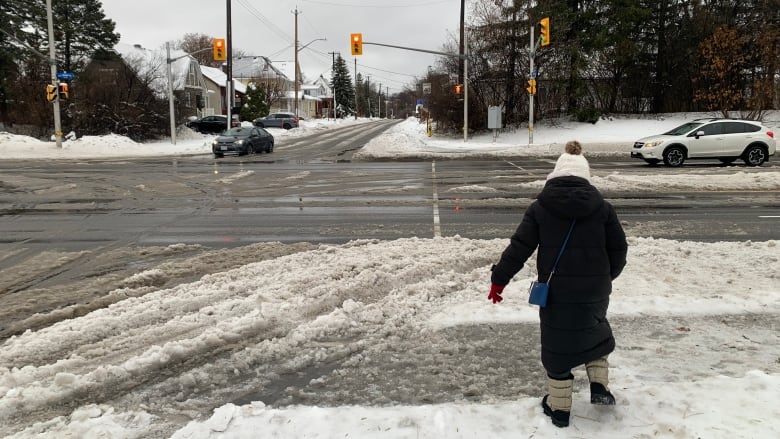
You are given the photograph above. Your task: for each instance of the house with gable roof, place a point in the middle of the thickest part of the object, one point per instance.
(276, 76)
(310, 95)
(261, 70)
(125, 90)
(189, 86)
(214, 100)
(150, 69)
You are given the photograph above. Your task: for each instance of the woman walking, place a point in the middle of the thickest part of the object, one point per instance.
(574, 326)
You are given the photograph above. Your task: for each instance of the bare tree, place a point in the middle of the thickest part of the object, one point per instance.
(199, 46)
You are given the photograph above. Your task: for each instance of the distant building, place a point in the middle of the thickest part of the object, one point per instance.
(216, 80)
(189, 87)
(276, 76)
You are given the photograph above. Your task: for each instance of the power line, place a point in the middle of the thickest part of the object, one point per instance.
(254, 12)
(363, 5)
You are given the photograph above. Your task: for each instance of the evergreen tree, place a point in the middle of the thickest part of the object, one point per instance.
(361, 108)
(256, 104)
(15, 15)
(80, 28)
(343, 89)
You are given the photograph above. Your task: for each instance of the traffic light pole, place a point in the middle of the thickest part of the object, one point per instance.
(465, 59)
(532, 53)
(229, 93)
(54, 80)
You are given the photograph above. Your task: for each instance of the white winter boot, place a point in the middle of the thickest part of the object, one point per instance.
(557, 404)
(598, 375)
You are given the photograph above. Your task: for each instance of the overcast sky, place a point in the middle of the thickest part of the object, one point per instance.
(267, 28)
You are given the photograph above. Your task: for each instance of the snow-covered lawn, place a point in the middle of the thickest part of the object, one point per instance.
(697, 328)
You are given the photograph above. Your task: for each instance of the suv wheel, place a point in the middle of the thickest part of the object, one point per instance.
(754, 156)
(287, 126)
(674, 156)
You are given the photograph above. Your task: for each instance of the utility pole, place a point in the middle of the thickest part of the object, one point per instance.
(171, 108)
(462, 32)
(368, 95)
(379, 101)
(466, 98)
(54, 80)
(229, 85)
(531, 54)
(356, 99)
(296, 61)
(333, 80)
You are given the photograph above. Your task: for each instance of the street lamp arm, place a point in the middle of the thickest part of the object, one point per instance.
(170, 60)
(307, 44)
(453, 55)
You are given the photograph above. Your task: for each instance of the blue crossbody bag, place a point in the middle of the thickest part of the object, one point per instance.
(537, 294)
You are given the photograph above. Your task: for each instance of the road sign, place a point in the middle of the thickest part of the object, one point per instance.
(65, 76)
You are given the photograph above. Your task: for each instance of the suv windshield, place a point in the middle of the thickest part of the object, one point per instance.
(683, 129)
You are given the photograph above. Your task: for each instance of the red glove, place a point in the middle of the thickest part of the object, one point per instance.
(495, 293)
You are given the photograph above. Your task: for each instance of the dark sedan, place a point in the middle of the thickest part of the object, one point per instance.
(210, 124)
(242, 141)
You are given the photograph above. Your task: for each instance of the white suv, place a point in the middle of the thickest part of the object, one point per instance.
(722, 139)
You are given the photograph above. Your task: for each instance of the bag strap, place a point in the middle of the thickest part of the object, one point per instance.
(565, 241)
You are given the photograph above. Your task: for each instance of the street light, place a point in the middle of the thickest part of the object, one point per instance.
(296, 61)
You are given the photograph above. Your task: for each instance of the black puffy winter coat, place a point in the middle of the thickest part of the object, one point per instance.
(574, 324)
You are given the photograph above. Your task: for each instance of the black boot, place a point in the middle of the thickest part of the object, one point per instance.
(600, 395)
(559, 418)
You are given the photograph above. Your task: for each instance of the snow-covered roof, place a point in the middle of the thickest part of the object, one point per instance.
(291, 95)
(151, 64)
(219, 77)
(286, 67)
(256, 67)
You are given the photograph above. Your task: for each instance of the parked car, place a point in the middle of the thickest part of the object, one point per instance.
(277, 120)
(242, 141)
(718, 139)
(211, 124)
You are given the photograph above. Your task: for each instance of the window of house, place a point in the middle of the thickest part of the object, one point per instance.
(192, 76)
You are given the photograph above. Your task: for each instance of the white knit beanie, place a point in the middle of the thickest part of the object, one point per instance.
(571, 163)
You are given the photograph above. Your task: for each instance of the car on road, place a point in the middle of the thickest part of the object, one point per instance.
(242, 141)
(210, 124)
(277, 120)
(715, 138)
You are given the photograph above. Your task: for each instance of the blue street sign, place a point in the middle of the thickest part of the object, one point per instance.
(65, 76)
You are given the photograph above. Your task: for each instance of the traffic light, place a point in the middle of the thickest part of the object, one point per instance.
(458, 89)
(220, 52)
(51, 93)
(531, 87)
(64, 92)
(544, 34)
(356, 41)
